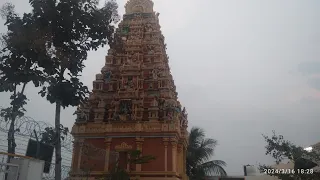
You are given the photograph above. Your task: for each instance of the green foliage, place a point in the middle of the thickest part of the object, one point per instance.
(118, 173)
(20, 53)
(200, 150)
(135, 157)
(7, 11)
(281, 149)
(73, 27)
(17, 101)
(68, 92)
(49, 135)
(57, 35)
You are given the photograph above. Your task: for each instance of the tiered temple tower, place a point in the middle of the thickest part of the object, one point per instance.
(133, 105)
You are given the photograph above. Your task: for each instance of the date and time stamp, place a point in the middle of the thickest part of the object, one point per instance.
(287, 171)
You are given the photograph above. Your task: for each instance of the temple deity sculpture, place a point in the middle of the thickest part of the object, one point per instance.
(107, 76)
(101, 104)
(170, 115)
(81, 115)
(135, 58)
(116, 116)
(155, 73)
(110, 52)
(154, 103)
(125, 108)
(130, 84)
(184, 112)
(161, 103)
(129, 60)
(148, 28)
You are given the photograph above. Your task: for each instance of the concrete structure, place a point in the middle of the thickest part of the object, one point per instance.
(133, 105)
(252, 173)
(28, 169)
(290, 165)
(21, 167)
(257, 177)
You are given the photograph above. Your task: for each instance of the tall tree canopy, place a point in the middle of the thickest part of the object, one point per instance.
(63, 32)
(20, 53)
(200, 150)
(72, 28)
(284, 150)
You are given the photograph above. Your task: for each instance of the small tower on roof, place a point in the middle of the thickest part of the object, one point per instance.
(133, 106)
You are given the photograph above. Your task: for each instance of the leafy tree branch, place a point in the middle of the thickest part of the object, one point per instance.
(282, 150)
(51, 44)
(19, 56)
(200, 150)
(135, 157)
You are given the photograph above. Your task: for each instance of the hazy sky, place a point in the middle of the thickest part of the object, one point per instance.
(242, 68)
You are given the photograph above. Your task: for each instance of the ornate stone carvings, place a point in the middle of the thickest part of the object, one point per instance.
(134, 95)
(139, 6)
(100, 128)
(135, 91)
(122, 147)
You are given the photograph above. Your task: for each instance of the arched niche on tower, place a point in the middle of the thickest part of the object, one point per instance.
(138, 9)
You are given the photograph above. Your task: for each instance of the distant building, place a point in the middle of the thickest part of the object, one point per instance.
(290, 165)
(251, 172)
(225, 178)
(258, 177)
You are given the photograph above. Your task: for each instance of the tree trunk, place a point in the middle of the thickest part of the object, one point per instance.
(11, 141)
(11, 144)
(58, 142)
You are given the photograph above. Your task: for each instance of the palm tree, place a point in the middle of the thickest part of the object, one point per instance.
(200, 150)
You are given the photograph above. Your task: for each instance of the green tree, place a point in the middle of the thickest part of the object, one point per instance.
(200, 150)
(135, 157)
(65, 30)
(48, 136)
(21, 50)
(284, 150)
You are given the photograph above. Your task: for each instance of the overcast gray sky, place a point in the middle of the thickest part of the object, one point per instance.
(242, 68)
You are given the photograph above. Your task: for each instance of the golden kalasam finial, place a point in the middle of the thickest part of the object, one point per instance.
(139, 6)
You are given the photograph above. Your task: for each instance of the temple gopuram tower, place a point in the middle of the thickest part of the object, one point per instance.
(133, 106)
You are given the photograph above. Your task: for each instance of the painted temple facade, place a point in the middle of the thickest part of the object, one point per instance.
(133, 106)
